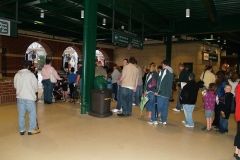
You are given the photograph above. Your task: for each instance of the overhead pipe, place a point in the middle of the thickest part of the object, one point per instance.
(113, 22)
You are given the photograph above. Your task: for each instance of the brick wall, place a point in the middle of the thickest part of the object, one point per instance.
(7, 92)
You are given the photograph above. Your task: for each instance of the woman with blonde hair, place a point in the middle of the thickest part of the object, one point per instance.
(149, 88)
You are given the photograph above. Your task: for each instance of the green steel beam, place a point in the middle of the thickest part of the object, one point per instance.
(89, 53)
(124, 12)
(2, 3)
(211, 10)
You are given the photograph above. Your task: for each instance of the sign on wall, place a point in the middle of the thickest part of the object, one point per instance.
(210, 56)
(4, 27)
(127, 39)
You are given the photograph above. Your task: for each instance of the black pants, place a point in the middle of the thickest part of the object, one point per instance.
(237, 137)
(71, 87)
(216, 116)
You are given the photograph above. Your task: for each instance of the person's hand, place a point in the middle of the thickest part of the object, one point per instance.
(155, 94)
(180, 97)
(134, 90)
(145, 93)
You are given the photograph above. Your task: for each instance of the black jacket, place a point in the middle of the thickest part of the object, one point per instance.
(189, 93)
(225, 102)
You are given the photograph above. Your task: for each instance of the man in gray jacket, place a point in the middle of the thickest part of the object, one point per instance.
(163, 92)
(26, 87)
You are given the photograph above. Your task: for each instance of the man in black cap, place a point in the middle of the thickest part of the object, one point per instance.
(26, 87)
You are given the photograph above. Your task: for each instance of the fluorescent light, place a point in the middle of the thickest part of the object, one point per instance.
(82, 13)
(104, 21)
(187, 12)
(122, 27)
(42, 13)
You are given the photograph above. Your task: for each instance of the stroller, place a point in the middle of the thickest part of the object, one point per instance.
(57, 91)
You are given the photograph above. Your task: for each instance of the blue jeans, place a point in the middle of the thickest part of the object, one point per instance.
(23, 106)
(119, 102)
(188, 110)
(137, 95)
(162, 107)
(48, 89)
(80, 85)
(151, 103)
(223, 125)
(115, 91)
(126, 96)
(179, 106)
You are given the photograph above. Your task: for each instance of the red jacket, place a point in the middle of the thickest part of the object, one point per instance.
(237, 96)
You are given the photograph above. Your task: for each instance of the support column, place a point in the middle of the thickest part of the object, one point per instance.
(89, 52)
(169, 48)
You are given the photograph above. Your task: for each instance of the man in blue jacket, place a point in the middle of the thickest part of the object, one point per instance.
(163, 92)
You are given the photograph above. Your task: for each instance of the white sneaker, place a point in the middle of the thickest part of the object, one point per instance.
(115, 110)
(182, 109)
(183, 122)
(153, 122)
(188, 126)
(134, 104)
(176, 110)
(121, 110)
(165, 123)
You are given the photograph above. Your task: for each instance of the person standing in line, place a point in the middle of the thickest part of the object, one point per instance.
(72, 80)
(115, 76)
(47, 70)
(26, 86)
(233, 81)
(183, 77)
(119, 102)
(137, 95)
(188, 98)
(163, 92)
(100, 71)
(220, 82)
(207, 77)
(129, 80)
(79, 79)
(209, 100)
(150, 87)
(237, 117)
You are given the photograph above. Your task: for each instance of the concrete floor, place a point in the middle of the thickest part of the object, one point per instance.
(68, 135)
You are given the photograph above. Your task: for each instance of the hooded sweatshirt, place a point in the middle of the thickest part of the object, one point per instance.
(25, 84)
(47, 70)
(164, 82)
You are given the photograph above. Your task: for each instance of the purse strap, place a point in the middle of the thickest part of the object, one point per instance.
(203, 75)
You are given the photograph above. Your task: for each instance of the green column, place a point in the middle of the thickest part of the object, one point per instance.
(169, 48)
(89, 52)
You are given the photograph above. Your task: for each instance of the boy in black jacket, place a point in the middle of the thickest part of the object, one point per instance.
(188, 99)
(225, 102)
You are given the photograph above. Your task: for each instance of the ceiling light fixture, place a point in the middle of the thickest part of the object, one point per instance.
(42, 13)
(122, 27)
(104, 21)
(218, 39)
(224, 42)
(82, 13)
(211, 36)
(187, 12)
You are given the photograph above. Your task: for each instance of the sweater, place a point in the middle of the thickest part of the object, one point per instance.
(225, 102)
(189, 93)
(209, 100)
(164, 82)
(237, 95)
(208, 78)
(25, 84)
(47, 70)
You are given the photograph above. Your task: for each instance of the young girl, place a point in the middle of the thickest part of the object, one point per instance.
(64, 89)
(209, 100)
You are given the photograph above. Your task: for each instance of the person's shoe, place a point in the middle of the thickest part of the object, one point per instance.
(34, 132)
(235, 155)
(22, 133)
(134, 104)
(183, 122)
(153, 122)
(176, 110)
(123, 115)
(188, 126)
(182, 109)
(165, 123)
(121, 110)
(204, 128)
(115, 110)
(160, 121)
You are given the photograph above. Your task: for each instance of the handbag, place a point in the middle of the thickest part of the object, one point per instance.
(200, 82)
(153, 83)
(52, 78)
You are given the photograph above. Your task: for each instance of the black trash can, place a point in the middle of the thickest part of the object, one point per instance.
(101, 100)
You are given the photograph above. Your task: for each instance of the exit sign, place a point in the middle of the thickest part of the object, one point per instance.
(4, 27)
